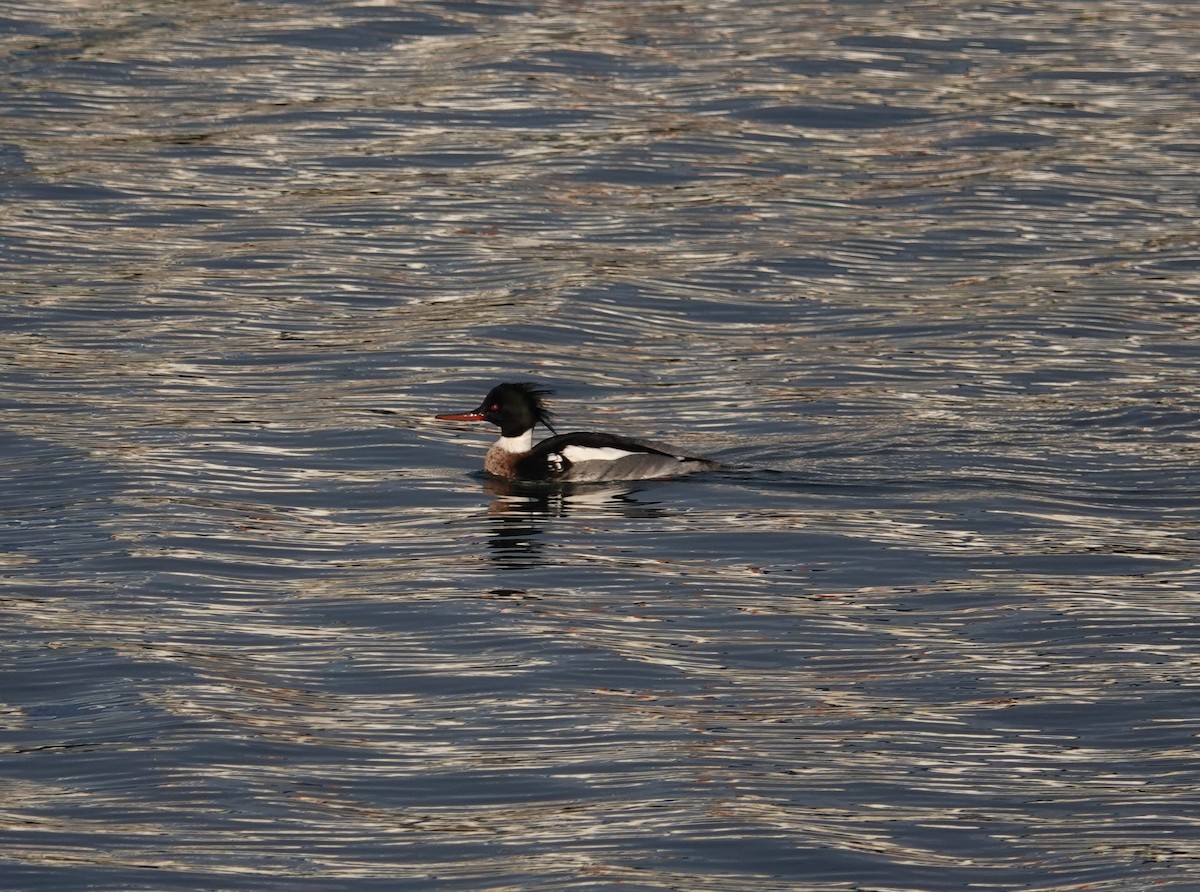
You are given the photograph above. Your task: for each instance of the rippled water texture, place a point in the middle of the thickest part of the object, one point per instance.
(926, 273)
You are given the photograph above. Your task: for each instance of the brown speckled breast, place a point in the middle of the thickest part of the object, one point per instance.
(500, 463)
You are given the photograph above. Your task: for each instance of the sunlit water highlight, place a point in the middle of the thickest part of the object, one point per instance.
(925, 275)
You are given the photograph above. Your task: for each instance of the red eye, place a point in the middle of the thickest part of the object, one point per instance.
(495, 407)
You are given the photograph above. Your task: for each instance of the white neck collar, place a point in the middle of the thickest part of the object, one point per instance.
(519, 444)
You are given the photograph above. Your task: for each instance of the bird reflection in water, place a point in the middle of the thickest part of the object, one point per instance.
(518, 513)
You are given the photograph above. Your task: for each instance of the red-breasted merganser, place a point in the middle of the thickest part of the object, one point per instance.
(581, 457)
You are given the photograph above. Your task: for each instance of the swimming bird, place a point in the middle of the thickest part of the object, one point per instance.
(580, 457)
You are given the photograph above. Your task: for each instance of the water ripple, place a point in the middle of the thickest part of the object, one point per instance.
(926, 282)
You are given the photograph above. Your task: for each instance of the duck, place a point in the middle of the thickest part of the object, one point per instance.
(579, 457)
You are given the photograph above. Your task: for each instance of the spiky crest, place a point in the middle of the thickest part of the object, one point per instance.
(535, 396)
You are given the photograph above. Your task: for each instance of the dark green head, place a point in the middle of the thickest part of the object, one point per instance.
(514, 408)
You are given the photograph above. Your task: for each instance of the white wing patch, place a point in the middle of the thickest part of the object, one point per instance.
(555, 461)
(577, 454)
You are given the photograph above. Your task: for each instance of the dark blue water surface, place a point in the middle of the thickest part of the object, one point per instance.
(924, 275)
